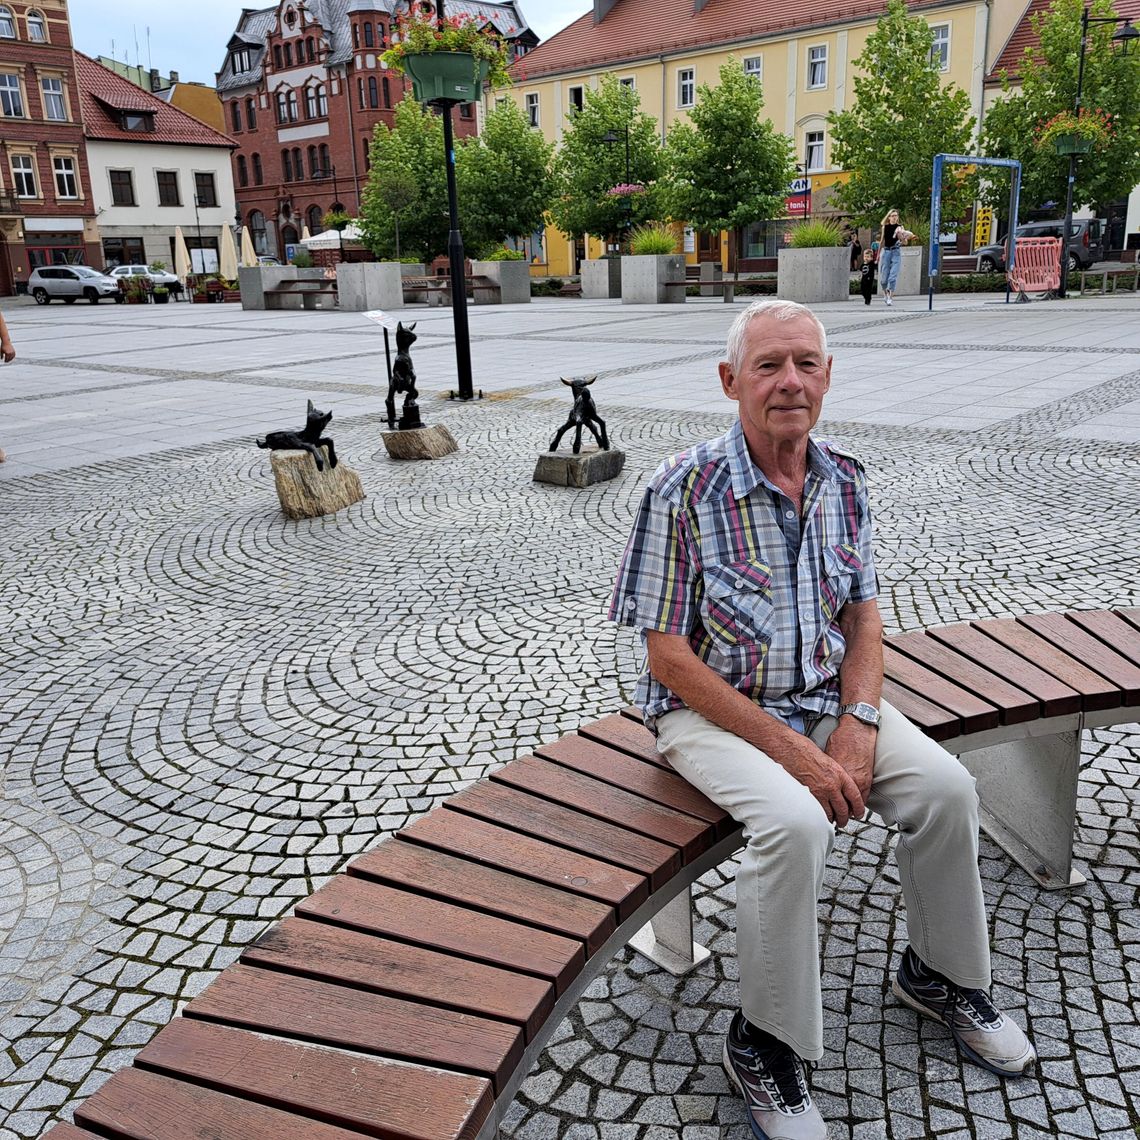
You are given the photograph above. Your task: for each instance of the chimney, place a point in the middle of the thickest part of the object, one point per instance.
(155, 79)
(173, 78)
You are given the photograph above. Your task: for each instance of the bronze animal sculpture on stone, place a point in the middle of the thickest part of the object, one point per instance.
(309, 438)
(582, 415)
(403, 380)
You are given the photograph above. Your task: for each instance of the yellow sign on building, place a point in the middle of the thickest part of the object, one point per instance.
(983, 226)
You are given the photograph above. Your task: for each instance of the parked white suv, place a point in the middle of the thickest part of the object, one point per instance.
(157, 276)
(70, 282)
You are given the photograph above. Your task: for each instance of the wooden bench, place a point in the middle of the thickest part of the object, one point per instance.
(570, 289)
(1115, 275)
(483, 290)
(310, 294)
(411, 994)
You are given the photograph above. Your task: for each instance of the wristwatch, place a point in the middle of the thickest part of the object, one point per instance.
(868, 714)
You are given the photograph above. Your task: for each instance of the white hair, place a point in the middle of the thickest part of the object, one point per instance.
(780, 311)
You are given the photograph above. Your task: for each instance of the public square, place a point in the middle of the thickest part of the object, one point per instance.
(206, 709)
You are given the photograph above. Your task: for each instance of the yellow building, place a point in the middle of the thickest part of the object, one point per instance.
(802, 51)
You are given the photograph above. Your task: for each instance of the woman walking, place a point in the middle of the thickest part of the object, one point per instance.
(892, 237)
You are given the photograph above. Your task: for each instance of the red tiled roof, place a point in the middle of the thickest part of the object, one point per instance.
(637, 29)
(103, 92)
(1023, 36)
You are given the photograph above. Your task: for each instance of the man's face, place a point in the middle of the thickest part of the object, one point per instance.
(781, 382)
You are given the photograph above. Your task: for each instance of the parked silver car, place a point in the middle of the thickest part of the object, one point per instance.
(157, 276)
(70, 282)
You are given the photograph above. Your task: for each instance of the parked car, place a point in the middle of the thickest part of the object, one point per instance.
(1086, 243)
(70, 282)
(157, 276)
(265, 259)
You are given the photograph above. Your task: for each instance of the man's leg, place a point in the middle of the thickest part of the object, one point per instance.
(788, 839)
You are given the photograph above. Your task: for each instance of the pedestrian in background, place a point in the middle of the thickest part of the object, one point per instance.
(867, 277)
(892, 237)
(7, 354)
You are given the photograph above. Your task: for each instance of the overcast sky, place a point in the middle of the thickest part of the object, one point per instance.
(191, 38)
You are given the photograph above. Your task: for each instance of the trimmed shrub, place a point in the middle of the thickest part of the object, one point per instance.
(815, 234)
(653, 238)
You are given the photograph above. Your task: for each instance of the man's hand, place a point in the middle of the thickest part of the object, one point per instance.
(826, 777)
(7, 351)
(852, 744)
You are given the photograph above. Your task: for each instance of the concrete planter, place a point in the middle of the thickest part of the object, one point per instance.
(253, 281)
(512, 277)
(912, 271)
(366, 285)
(601, 278)
(646, 280)
(813, 275)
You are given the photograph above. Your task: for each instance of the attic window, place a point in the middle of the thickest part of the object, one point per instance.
(290, 17)
(141, 121)
(239, 61)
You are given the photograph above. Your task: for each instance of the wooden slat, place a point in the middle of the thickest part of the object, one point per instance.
(632, 712)
(1116, 632)
(510, 807)
(524, 855)
(625, 735)
(427, 871)
(1057, 698)
(1132, 616)
(137, 1105)
(623, 771)
(1096, 692)
(380, 965)
(975, 713)
(1014, 705)
(934, 720)
(603, 801)
(271, 1002)
(65, 1131)
(1069, 636)
(384, 1099)
(410, 917)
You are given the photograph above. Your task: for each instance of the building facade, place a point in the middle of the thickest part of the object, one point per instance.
(303, 88)
(47, 212)
(802, 53)
(194, 98)
(153, 169)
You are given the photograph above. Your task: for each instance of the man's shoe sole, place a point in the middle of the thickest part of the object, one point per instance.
(962, 1047)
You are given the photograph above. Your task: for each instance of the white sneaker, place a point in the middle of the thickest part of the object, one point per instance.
(888, 300)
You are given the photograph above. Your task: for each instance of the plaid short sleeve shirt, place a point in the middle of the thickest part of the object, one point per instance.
(717, 555)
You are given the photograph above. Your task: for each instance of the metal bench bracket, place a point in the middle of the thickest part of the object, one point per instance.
(667, 938)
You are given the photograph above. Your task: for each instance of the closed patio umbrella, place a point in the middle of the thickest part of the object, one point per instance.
(248, 254)
(227, 258)
(305, 235)
(181, 256)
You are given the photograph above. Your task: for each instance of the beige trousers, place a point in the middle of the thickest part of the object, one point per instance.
(918, 787)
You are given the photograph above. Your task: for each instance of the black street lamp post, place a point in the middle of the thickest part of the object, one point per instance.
(610, 138)
(1126, 38)
(198, 225)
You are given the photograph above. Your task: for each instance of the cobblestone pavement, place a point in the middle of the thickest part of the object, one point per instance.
(206, 709)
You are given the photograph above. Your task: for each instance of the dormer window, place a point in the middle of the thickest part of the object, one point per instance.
(290, 17)
(240, 61)
(140, 121)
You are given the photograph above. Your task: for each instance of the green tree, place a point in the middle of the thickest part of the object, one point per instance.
(586, 168)
(903, 115)
(728, 167)
(409, 151)
(504, 179)
(1048, 87)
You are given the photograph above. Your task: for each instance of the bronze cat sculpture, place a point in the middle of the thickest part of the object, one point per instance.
(308, 439)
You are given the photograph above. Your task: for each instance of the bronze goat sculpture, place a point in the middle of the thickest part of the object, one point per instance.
(582, 415)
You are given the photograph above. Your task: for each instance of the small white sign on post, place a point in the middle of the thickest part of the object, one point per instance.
(385, 320)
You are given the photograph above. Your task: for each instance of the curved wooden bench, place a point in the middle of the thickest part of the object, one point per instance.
(410, 995)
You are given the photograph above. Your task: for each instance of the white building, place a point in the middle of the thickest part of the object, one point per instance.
(152, 168)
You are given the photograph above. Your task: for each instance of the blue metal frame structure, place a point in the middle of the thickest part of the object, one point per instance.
(940, 161)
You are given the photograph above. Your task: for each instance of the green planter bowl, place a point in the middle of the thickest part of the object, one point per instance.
(1072, 144)
(446, 76)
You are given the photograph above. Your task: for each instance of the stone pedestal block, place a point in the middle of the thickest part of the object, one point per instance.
(601, 278)
(912, 271)
(578, 470)
(512, 277)
(657, 279)
(813, 275)
(420, 443)
(307, 493)
(367, 285)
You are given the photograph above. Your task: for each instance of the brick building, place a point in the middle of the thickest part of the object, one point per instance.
(303, 87)
(47, 211)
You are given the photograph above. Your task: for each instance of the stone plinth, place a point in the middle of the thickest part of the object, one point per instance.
(307, 493)
(814, 274)
(363, 286)
(601, 278)
(578, 470)
(657, 279)
(420, 443)
(512, 277)
(912, 271)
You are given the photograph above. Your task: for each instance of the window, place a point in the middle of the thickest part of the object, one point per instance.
(360, 92)
(282, 107)
(7, 24)
(686, 87)
(310, 49)
(250, 115)
(258, 176)
(466, 111)
(356, 35)
(813, 155)
(242, 170)
(24, 176)
(288, 55)
(369, 41)
(532, 109)
(54, 106)
(123, 251)
(65, 182)
(314, 167)
(940, 48)
(205, 190)
(373, 92)
(365, 145)
(239, 61)
(292, 104)
(257, 229)
(235, 115)
(326, 167)
(629, 81)
(37, 28)
(316, 102)
(298, 168)
(817, 66)
(577, 96)
(387, 90)
(139, 121)
(314, 219)
(11, 99)
(286, 166)
(122, 187)
(754, 67)
(277, 60)
(168, 192)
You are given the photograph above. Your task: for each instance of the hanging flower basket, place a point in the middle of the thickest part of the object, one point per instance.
(1072, 144)
(449, 76)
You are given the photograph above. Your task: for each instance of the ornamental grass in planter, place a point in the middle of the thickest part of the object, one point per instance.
(815, 265)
